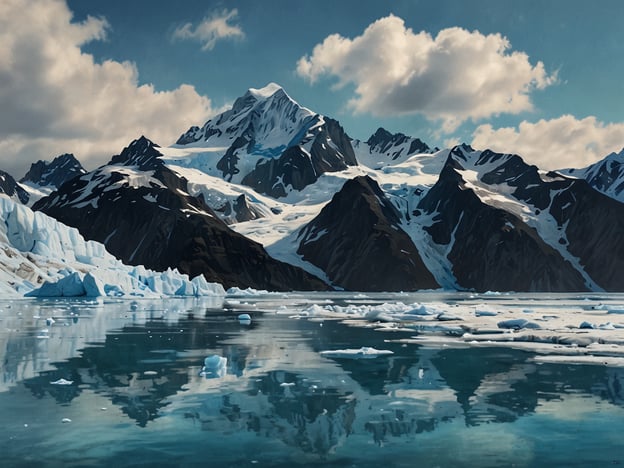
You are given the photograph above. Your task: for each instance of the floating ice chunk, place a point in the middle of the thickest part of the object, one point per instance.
(150, 372)
(517, 324)
(363, 352)
(50, 321)
(484, 311)
(215, 366)
(234, 291)
(586, 325)
(287, 384)
(607, 326)
(446, 317)
(244, 319)
(418, 309)
(66, 420)
(62, 382)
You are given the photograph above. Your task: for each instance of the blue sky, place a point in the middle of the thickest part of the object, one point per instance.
(540, 78)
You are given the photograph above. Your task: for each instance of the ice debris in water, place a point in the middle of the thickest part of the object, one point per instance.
(66, 420)
(244, 319)
(215, 366)
(363, 352)
(517, 324)
(62, 382)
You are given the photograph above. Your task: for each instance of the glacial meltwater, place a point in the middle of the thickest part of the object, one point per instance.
(428, 379)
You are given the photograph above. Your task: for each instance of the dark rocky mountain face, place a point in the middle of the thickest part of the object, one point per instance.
(11, 188)
(54, 173)
(395, 145)
(593, 224)
(357, 240)
(590, 223)
(494, 249)
(273, 144)
(490, 248)
(142, 212)
(384, 148)
(331, 151)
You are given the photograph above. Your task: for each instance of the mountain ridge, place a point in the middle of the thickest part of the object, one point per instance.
(292, 182)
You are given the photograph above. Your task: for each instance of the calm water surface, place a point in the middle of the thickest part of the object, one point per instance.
(138, 396)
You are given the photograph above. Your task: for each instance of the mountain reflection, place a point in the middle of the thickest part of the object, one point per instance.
(277, 386)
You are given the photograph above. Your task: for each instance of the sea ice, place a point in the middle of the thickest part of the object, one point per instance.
(62, 382)
(215, 366)
(363, 352)
(244, 319)
(517, 324)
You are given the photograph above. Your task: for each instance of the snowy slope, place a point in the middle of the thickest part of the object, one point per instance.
(36, 249)
(266, 141)
(606, 176)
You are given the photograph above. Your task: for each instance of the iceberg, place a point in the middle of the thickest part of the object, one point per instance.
(40, 257)
(365, 352)
(215, 367)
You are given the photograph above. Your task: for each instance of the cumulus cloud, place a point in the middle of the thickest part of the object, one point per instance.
(554, 144)
(54, 98)
(455, 76)
(212, 29)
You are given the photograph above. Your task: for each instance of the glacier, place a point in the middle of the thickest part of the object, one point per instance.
(40, 257)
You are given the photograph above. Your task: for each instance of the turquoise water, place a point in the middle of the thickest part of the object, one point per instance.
(138, 396)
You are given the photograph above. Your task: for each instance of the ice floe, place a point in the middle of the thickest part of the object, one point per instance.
(363, 352)
(563, 325)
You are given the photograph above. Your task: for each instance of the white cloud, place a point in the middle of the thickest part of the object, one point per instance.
(457, 75)
(54, 98)
(212, 29)
(554, 144)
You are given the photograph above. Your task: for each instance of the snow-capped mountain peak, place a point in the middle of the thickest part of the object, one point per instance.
(267, 118)
(142, 153)
(266, 92)
(384, 148)
(43, 177)
(266, 141)
(606, 176)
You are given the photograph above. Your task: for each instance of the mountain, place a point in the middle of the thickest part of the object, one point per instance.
(490, 248)
(54, 173)
(41, 257)
(270, 195)
(509, 226)
(358, 241)
(10, 187)
(606, 176)
(142, 211)
(268, 142)
(44, 177)
(384, 148)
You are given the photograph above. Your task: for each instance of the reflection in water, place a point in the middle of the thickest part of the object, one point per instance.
(153, 362)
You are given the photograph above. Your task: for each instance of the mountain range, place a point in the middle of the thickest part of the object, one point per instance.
(272, 195)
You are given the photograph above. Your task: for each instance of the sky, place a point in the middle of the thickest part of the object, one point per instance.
(539, 78)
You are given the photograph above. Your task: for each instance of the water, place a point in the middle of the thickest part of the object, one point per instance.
(138, 396)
